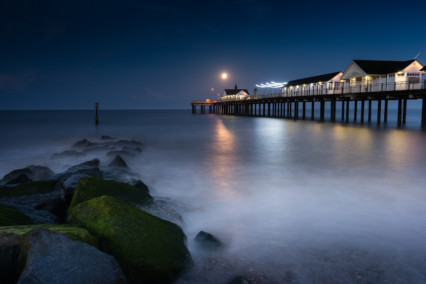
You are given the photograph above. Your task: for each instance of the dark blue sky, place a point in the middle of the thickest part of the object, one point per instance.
(163, 54)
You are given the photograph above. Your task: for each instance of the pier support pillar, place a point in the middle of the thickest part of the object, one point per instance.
(296, 110)
(313, 111)
(369, 110)
(362, 111)
(347, 111)
(303, 110)
(399, 118)
(385, 118)
(322, 111)
(424, 113)
(343, 110)
(404, 113)
(356, 110)
(379, 111)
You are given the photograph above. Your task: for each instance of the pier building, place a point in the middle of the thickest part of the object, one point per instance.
(363, 83)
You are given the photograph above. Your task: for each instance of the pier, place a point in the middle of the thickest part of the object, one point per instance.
(289, 106)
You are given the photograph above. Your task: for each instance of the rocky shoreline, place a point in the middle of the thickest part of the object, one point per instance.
(90, 223)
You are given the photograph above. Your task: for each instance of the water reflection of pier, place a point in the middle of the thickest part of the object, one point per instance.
(294, 107)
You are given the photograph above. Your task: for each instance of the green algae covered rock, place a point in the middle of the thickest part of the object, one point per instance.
(92, 187)
(36, 187)
(10, 216)
(73, 232)
(148, 248)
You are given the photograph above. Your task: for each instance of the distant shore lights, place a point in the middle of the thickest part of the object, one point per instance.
(273, 85)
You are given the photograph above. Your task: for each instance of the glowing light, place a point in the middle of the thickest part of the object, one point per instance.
(224, 75)
(271, 85)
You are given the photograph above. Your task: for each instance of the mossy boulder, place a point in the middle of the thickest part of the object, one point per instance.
(36, 187)
(92, 187)
(10, 246)
(148, 248)
(73, 232)
(10, 216)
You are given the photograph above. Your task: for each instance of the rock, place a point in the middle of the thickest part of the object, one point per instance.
(40, 200)
(10, 216)
(149, 249)
(68, 153)
(92, 187)
(73, 232)
(118, 162)
(54, 258)
(106, 137)
(9, 251)
(120, 174)
(84, 143)
(239, 280)
(72, 176)
(207, 241)
(26, 175)
(120, 153)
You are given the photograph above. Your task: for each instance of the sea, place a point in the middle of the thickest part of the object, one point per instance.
(292, 201)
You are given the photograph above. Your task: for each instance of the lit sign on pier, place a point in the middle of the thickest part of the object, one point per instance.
(271, 85)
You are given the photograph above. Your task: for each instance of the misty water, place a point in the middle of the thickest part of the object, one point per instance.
(294, 201)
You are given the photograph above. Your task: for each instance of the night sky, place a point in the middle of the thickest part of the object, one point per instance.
(162, 54)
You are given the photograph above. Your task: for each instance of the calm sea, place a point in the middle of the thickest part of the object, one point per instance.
(294, 201)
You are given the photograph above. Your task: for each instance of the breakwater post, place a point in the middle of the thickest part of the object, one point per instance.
(96, 115)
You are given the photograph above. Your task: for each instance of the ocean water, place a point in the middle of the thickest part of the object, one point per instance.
(293, 201)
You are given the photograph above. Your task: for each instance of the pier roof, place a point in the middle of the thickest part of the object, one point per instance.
(423, 69)
(381, 66)
(229, 92)
(314, 79)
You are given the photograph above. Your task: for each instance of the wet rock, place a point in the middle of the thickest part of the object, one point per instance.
(239, 280)
(84, 143)
(207, 241)
(10, 216)
(149, 249)
(120, 153)
(54, 258)
(120, 175)
(92, 187)
(9, 251)
(106, 137)
(69, 154)
(118, 162)
(26, 175)
(72, 176)
(38, 200)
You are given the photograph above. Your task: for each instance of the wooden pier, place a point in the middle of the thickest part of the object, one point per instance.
(294, 107)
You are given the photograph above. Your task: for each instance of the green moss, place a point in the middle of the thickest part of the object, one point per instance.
(36, 187)
(73, 232)
(92, 187)
(10, 216)
(148, 248)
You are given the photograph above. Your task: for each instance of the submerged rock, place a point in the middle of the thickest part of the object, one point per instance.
(118, 162)
(84, 143)
(120, 153)
(106, 137)
(54, 258)
(148, 248)
(207, 241)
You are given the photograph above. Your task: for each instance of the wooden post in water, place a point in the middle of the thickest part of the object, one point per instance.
(362, 111)
(343, 110)
(96, 115)
(322, 111)
(347, 111)
(313, 110)
(399, 112)
(303, 110)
